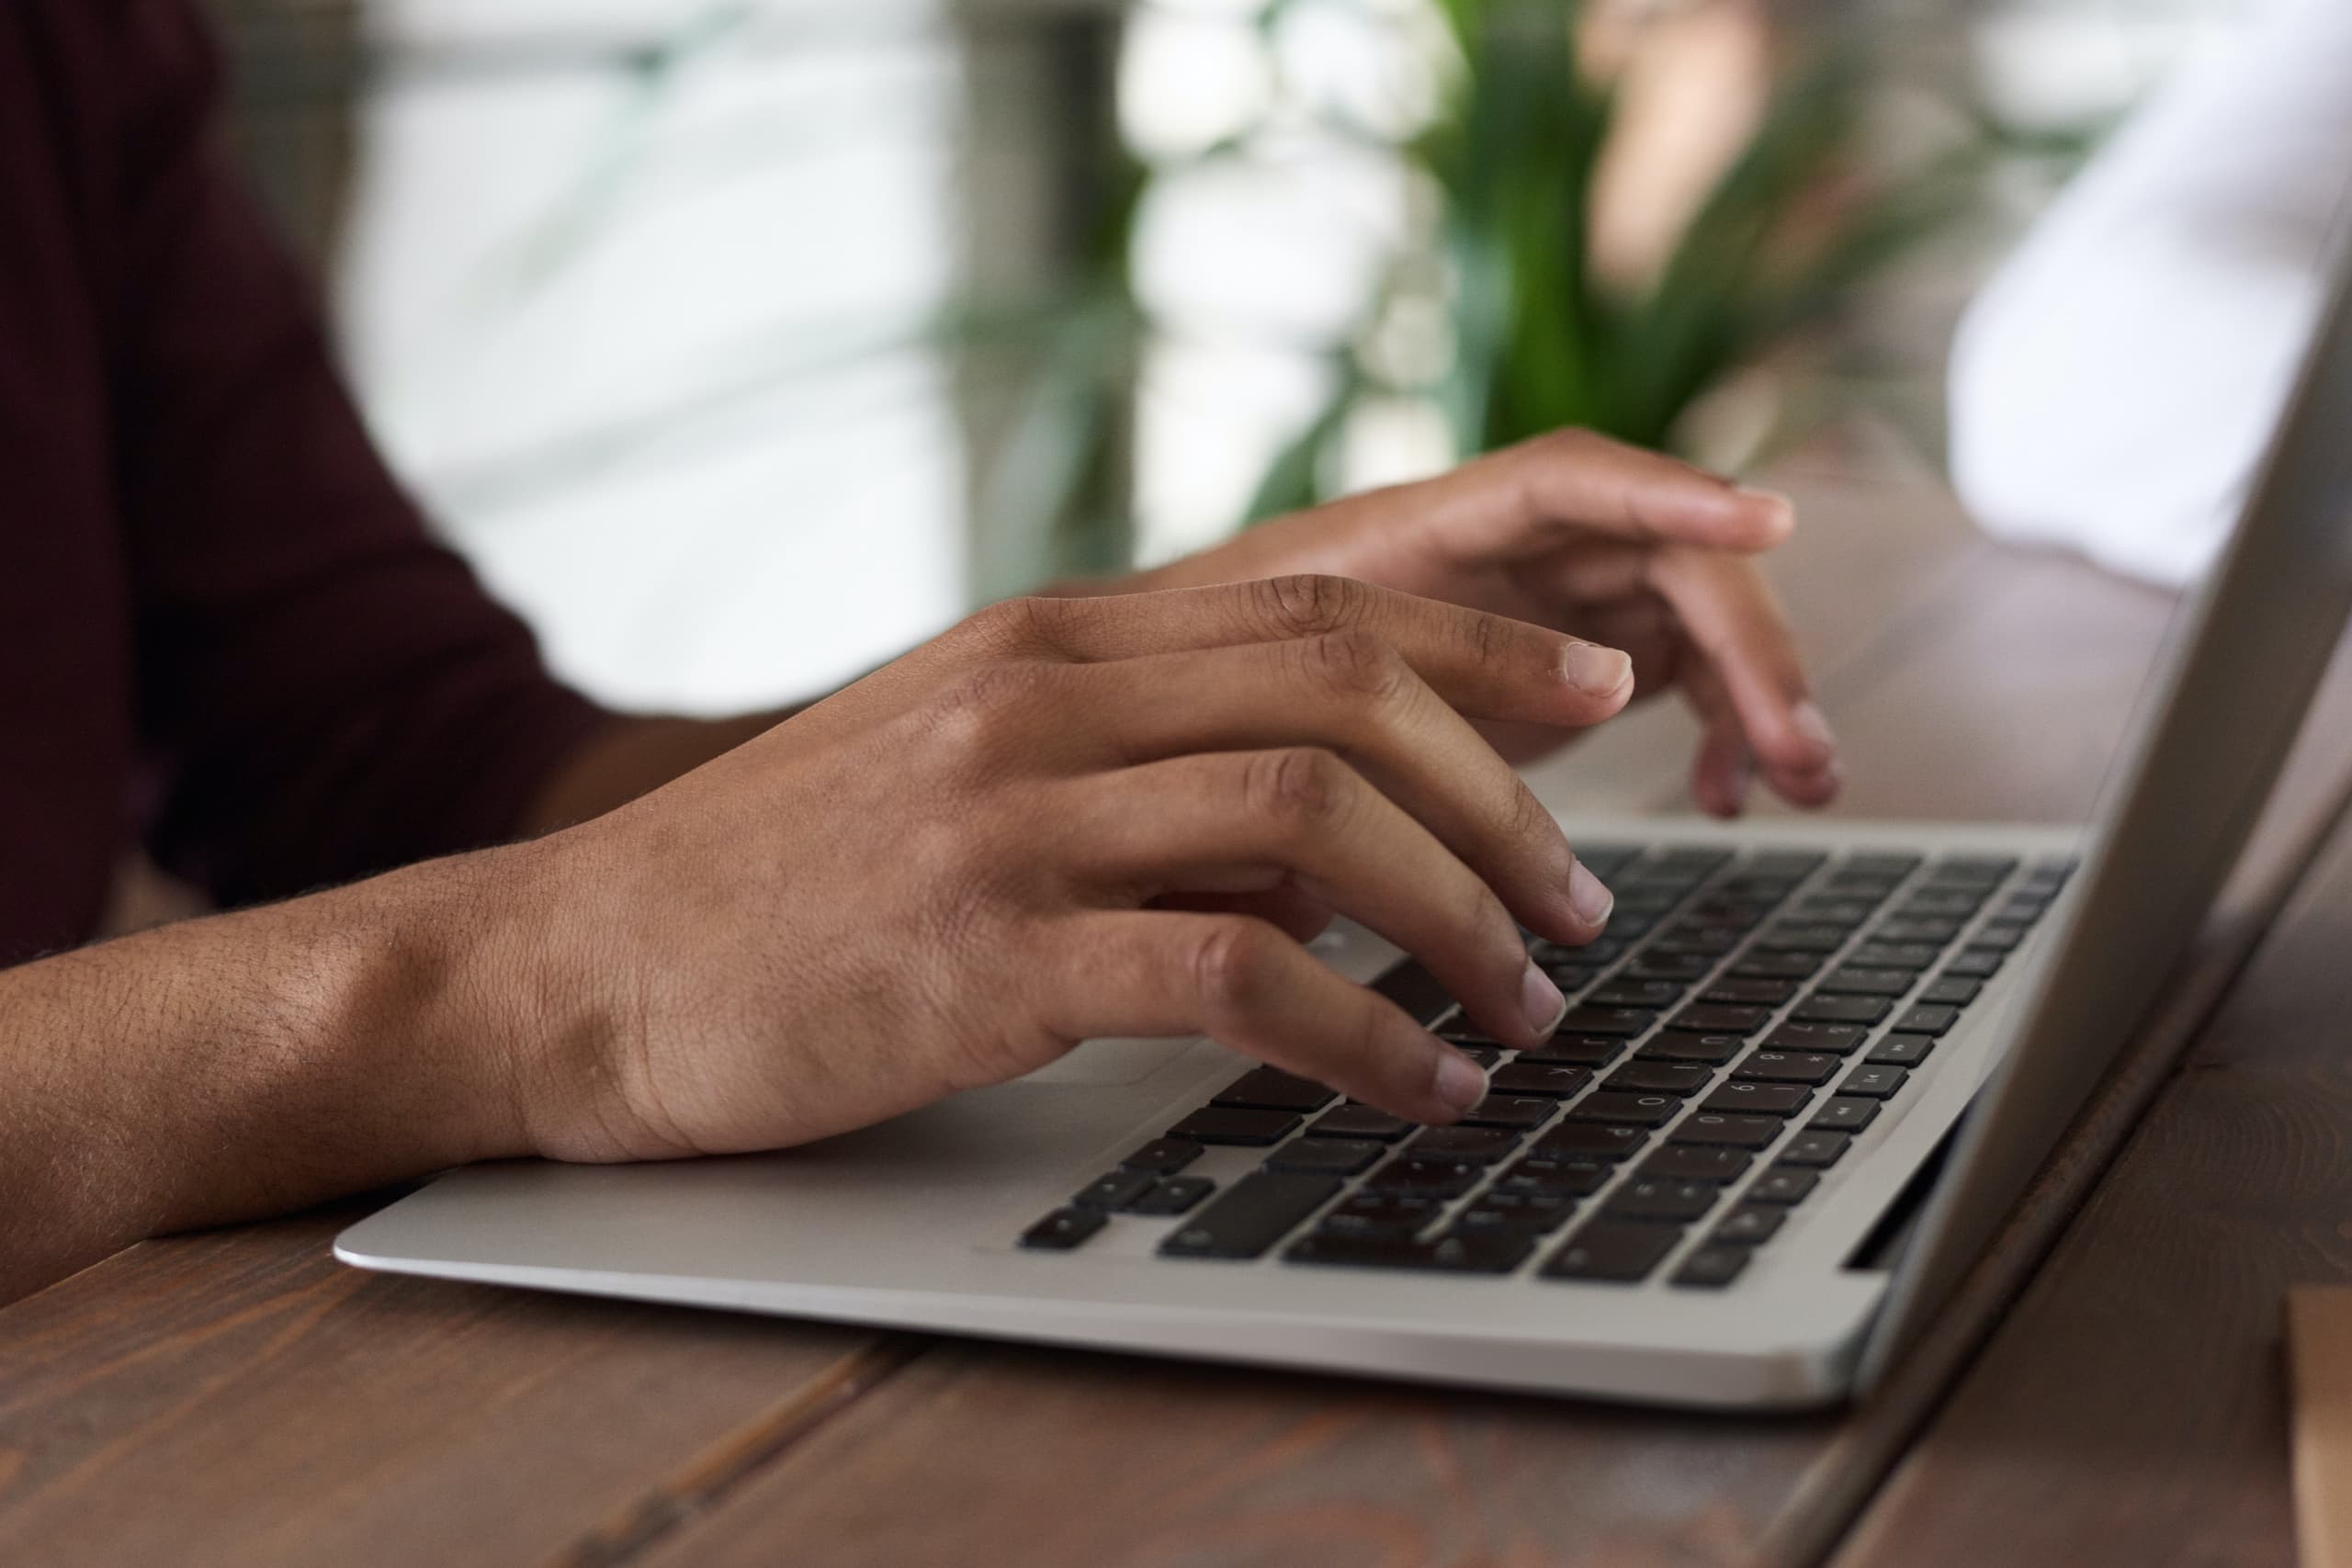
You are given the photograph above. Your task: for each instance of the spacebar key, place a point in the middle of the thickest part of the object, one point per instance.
(1255, 1212)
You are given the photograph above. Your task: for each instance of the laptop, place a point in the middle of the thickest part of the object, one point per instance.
(1807, 1071)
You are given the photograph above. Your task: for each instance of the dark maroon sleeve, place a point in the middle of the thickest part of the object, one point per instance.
(326, 692)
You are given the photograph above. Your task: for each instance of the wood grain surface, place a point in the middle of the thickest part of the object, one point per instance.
(239, 1398)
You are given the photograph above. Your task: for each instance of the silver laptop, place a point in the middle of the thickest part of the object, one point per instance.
(1794, 1042)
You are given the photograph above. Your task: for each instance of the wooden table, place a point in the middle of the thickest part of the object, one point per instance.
(239, 1398)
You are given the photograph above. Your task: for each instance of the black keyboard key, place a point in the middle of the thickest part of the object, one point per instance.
(1474, 1252)
(1625, 1110)
(1669, 966)
(1658, 1077)
(1483, 1144)
(1738, 1098)
(1857, 885)
(1912, 955)
(1751, 1224)
(1829, 909)
(1549, 1078)
(1271, 1088)
(1711, 1268)
(1985, 870)
(1695, 1162)
(1235, 1124)
(1941, 903)
(1809, 937)
(1416, 990)
(1250, 1215)
(2001, 936)
(1578, 1177)
(1901, 1051)
(1874, 1082)
(1673, 1202)
(1835, 1038)
(1784, 1184)
(1890, 863)
(1819, 1150)
(1485, 1056)
(1927, 1019)
(1809, 1067)
(1520, 1113)
(1952, 990)
(1622, 1022)
(1850, 981)
(1360, 1122)
(1383, 1213)
(1731, 1131)
(1429, 1178)
(1577, 1050)
(1841, 1113)
(1228, 1124)
(1706, 1018)
(1737, 992)
(1116, 1190)
(1778, 965)
(1532, 1213)
(1707, 942)
(1062, 1229)
(1898, 929)
(1714, 1050)
(1330, 1157)
(1975, 963)
(1593, 1140)
(1865, 1010)
(1173, 1195)
(1617, 1251)
(1163, 1157)
(1639, 994)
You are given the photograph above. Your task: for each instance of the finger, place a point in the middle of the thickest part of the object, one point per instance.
(1287, 909)
(1525, 501)
(1352, 693)
(1245, 985)
(1722, 771)
(1487, 665)
(1247, 822)
(1736, 627)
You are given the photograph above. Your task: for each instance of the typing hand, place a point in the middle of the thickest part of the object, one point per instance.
(1064, 819)
(1620, 546)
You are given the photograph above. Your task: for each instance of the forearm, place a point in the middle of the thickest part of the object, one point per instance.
(247, 1064)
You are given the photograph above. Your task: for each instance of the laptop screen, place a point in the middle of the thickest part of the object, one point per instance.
(2238, 673)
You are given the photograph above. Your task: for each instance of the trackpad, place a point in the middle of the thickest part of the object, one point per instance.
(1111, 1063)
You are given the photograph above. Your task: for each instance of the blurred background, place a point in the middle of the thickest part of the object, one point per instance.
(743, 343)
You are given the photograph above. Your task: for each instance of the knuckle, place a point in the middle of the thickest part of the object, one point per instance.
(1355, 663)
(1013, 625)
(1312, 603)
(1231, 966)
(1299, 789)
(986, 701)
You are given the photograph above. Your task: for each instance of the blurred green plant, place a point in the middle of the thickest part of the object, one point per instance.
(1789, 231)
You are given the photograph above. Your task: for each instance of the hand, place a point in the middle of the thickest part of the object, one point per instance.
(1612, 543)
(1064, 818)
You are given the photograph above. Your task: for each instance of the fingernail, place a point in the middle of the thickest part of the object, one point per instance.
(1541, 1001)
(1811, 723)
(1780, 503)
(1460, 1082)
(1599, 671)
(1590, 897)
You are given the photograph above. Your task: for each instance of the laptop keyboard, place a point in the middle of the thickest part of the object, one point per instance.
(1743, 1017)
